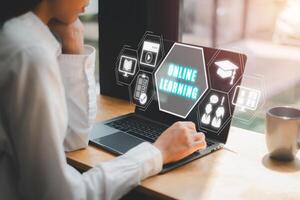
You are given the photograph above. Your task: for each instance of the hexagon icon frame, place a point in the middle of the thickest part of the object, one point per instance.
(153, 38)
(229, 114)
(259, 80)
(137, 68)
(202, 66)
(150, 92)
(223, 84)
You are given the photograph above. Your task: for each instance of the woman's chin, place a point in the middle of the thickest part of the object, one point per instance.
(70, 20)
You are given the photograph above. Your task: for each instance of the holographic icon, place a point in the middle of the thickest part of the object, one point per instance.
(214, 120)
(217, 120)
(140, 92)
(181, 82)
(226, 69)
(127, 65)
(143, 98)
(206, 117)
(246, 98)
(150, 52)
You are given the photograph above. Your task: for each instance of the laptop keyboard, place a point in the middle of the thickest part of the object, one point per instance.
(138, 127)
(144, 129)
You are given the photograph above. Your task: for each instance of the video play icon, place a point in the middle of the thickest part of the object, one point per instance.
(149, 57)
(150, 52)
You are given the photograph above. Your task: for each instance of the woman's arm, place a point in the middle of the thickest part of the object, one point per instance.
(77, 66)
(77, 73)
(39, 120)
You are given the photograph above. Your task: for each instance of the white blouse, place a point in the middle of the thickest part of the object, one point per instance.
(48, 106)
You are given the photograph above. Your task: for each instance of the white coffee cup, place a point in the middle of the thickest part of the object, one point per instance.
(283, 132)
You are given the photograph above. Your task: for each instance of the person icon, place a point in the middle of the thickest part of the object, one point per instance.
(206, 117)
(219, 114)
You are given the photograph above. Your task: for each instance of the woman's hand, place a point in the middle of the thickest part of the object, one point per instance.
(179, 141)
(70, 34)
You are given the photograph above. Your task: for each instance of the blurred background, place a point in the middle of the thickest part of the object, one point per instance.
(90, 22)
(267, 31)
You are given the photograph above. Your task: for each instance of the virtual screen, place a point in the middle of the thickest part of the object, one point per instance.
(173, 82)
(170, 81)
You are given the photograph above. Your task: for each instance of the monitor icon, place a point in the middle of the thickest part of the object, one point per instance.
(246, 98)
(127, 65)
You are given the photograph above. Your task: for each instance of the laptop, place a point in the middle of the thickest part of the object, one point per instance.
(211, 111)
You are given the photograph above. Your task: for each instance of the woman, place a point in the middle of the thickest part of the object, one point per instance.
(48, 106)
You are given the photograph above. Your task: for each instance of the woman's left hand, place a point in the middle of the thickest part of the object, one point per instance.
(70, 34)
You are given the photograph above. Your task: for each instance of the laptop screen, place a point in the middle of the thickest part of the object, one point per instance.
(182, 82)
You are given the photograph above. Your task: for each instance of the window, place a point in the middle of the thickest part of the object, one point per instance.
(267, 31)
(91, 34)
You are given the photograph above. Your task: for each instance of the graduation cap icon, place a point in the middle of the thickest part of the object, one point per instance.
(226, 69)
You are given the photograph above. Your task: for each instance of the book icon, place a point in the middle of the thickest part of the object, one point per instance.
(127, 65)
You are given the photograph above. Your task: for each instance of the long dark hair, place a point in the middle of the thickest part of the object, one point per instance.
(14, 8)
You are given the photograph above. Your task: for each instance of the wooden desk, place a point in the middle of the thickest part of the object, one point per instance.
(242, 170)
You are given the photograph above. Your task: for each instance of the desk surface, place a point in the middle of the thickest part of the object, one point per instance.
(242, 170)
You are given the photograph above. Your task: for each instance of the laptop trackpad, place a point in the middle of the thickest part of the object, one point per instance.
(119, 142)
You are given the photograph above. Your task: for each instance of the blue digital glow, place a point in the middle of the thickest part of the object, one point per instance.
(183, 73)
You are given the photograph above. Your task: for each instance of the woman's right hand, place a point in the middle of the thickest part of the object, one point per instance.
(179, 141)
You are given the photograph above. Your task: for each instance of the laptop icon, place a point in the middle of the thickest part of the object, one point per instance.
(119, 134)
